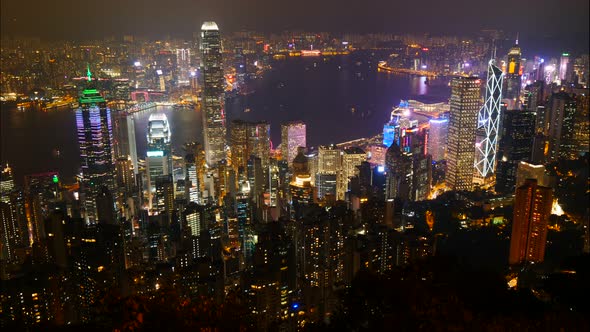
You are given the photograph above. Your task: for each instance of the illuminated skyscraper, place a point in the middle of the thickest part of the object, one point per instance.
(565, 68)
(532, 208)
(516, 144)
(212, 94)
(488, 124)
(93, 120)
(183, 63)
(562, 113)
(249, 138)
(513, 77)
(159, 153)
(437, 138)
(293, 135)
(465, 105)
(6, 184)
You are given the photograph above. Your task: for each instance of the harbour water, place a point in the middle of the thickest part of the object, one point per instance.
(340, 98)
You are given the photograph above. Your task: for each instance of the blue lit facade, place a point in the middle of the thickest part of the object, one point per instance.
(95, 138)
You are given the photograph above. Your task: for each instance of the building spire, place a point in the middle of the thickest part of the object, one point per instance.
(88, 73)
(517, 38)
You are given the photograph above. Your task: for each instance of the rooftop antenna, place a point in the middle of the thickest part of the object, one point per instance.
(517, 38)
(88, 73)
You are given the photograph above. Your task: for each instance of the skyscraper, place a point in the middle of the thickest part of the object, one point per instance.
(293, 135)
(516, 144)
(465, 104)
(437, 138)
(513, 77)
(159, 153)
(488, 124)
(532, 208)
(212, 93)
(93, 120)
(561, 127)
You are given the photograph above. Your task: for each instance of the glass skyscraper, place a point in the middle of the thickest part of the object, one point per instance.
(212, 93)
(95, 137)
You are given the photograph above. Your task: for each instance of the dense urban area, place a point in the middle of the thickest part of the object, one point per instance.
(466, 212)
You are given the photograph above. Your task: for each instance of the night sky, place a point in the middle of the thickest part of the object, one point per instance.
(564, 22)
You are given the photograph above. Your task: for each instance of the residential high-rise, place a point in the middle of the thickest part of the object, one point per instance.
(516, 144)
(465, 105)
(95, 138)
(488, 124)
(212, 93)
(531, 171)
(532, 208)
(293, 135)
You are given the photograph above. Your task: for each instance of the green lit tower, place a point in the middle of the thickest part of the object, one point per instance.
(95, 138)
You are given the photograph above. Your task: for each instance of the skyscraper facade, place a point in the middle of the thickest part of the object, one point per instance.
(488, 124)
(561, 127)
(465, 104)
(293, 135)
(516, 144)
(95, 138)
(159, 152)
(513, 77)
(532, 208)
(437, 138)
(212, 93)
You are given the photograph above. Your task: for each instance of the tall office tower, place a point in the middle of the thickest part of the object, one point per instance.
(488, 124)
(437, 138)
(533, 95)
(259, 141)
(255, 174)
(513, 77)
(272, 187)
(398, 166)
(532, 208)
(165, 195)
(329, 159)
(293, 135)
(191, 179)
(240, 67)
(561, 133)
(238, 139)
(516, 144)
(124, 137)
(196, 149)
(183, 64)
(104, 207)
(302, 194)
(93, 120)
(351, 160)
(416, 139)
(465, 105)
(10, 236)
(399, 120)
(326, 185)
(6, 184)
(582, 123)
(565, 68)
(159, 152)
(212, 94)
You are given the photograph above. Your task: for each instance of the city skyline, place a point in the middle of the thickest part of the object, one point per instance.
(259, 182)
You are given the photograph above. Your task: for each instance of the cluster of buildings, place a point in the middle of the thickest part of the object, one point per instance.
(286, 228)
